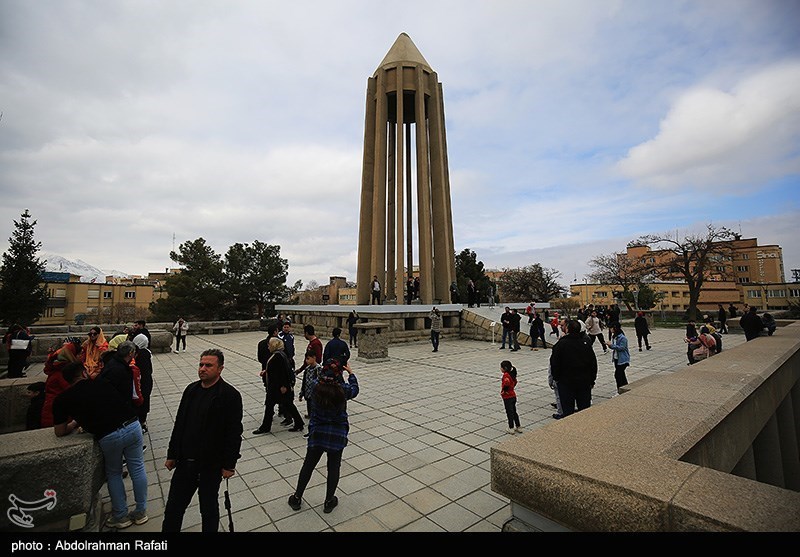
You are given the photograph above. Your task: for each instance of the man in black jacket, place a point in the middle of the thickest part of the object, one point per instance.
(204, 445)
(751, 324)
(574, 367)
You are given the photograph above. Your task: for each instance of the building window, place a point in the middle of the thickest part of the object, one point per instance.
(720, 268)
(743, 280)
(107, 295)
(600, 294)
(753, 293)
(676, 294)
(130, 294)
(685, 294)
(776, 293)
(93, 294)
(58, 312)
(742, 268)
(794, 292)
(60, 293)
(745, 256)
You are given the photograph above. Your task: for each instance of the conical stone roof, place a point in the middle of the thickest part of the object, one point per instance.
(403, 50)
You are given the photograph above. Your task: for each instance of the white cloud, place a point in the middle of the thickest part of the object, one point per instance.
(725, 139)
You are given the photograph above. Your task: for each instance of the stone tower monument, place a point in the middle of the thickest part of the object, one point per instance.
(405, 149)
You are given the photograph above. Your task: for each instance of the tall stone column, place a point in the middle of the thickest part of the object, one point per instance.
(405, 118)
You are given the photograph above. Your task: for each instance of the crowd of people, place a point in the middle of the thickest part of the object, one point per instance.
(102, 386)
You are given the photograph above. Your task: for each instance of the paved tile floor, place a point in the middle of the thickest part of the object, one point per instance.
(418, 458)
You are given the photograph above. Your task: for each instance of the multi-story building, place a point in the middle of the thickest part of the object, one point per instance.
(743, 272)
(73, 301)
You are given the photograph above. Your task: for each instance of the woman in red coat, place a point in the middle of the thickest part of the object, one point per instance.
(56, 384)
(509, 396)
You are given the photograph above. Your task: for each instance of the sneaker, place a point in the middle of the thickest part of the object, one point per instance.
(557, 416)
(510, 431)
(287, 421)
(518, 429)
(175, 351)
(296, 428)
(330, 504)
(118, 523)
(139, 517)
(641, 350)
(649, 347)
(294, 502)
(144, 428)
(260, 431)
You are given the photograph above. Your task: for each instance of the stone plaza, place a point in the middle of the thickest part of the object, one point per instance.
(421, 431)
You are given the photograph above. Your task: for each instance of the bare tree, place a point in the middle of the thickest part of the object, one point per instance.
(620, 269)
(690, 258)
(533, 282)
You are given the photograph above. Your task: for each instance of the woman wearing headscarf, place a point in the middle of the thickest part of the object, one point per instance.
(55, 383)
(143, 360)
(92, 351)
(327, 429)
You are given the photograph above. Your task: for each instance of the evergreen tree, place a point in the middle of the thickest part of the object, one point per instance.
(23, 299)
(468, 267)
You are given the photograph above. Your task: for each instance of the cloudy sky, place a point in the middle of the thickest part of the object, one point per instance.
(573, 126)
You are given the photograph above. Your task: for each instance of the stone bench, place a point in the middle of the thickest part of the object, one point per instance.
(217, 330)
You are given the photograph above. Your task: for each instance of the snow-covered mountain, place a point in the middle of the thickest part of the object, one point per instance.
(87, 272)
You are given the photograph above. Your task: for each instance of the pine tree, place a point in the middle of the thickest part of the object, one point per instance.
(23, 299)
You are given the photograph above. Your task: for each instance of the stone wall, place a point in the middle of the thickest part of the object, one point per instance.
(713, 447)
(66, 472)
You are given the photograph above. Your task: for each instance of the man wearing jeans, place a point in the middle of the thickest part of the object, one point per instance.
(204, 445)
(97, 408)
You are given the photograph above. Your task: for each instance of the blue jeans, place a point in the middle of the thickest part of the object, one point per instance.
(435, 340)
(506, 335)
(128, 442)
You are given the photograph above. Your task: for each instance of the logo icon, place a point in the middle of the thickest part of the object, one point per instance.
(17, 512)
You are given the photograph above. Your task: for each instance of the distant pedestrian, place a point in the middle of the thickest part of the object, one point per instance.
(436, 328)
(594, 327)
(515, 321)
(722, 317)
(472, 293)
(416, 288)
(375, 289)
(409, 290)
(336, 348)
(732, 311)
(751, 324)
(509, 396)
(328, 428)
(454, 298)
(352, 319)
(181, 329)
(769, 323)
(537, 332)
(621, 355)
(505, 321)
(18, 345)
(642, 330)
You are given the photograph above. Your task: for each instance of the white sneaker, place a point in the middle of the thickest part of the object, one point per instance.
(518, 429)
(511, 431)
(175, 351)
